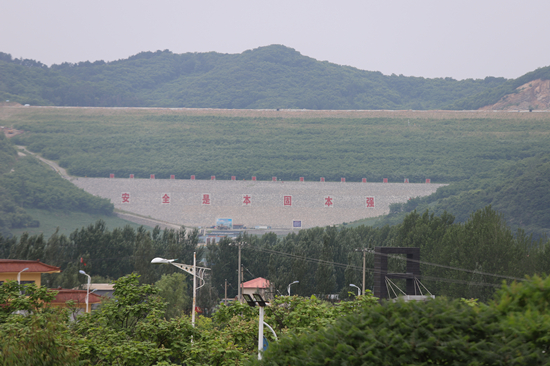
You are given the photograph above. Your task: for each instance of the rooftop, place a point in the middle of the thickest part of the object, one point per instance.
(17, 265)
(78, 296)
(259, 282)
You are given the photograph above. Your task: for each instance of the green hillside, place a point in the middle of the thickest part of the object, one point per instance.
(10, 212)
(490, 158)
(442, 147)
(26, 184)
(519, 190)
(267, 77)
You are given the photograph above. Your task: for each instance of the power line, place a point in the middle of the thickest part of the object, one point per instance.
(371, 270)
(449, 267)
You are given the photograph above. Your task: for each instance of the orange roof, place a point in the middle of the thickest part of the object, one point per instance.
(16, 265)
(78, 296)
(259, 282)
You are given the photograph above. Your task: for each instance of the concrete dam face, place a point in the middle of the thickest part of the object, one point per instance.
(252, 203)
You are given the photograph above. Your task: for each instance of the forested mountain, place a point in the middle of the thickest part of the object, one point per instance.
(267, 77)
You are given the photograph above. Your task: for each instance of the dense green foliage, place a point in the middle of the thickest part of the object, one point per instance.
(519, 190)
(173, 289)
(31, 332)
(458, 260)
(130, 329)
(7, 154)
(511, 331)
(267, 77)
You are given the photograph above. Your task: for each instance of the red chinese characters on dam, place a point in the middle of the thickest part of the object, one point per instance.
(246, 200)
(287, 201)
(369, 201)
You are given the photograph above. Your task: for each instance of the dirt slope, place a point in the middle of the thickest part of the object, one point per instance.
(532, 95)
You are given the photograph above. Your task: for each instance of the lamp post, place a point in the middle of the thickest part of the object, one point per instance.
(19, 275)
(19, 279)
(88, 289)
(290, 284)
(358, 289)
(191, 270)
(262, 304)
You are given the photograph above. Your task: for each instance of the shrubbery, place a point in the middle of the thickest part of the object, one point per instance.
(511, 330)
(130, 330)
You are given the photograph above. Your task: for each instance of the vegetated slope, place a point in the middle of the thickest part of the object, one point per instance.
(519, 190)
(267, 77)
(489, 97)
(27, 183)
(100, 142)
(10, 212)
(463, 148)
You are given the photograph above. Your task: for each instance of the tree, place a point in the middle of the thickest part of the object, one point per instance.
(173, 290)
(31, 332)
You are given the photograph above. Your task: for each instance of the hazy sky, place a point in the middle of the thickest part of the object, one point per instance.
(429, 38)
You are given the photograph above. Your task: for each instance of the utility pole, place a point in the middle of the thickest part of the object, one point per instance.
(241, 283)
(364, 250)
(225, 298)
(239, 269)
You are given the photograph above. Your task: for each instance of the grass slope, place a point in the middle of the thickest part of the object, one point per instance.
(35, 199)
(67, 222)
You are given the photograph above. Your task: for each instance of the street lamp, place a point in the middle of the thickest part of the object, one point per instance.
(88, 290)
(290, 284)
(19, 275)
(358, 289)
(262, 304)
(191, 270)
(19, 279)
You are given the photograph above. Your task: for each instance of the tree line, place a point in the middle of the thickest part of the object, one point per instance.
(467, 260)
